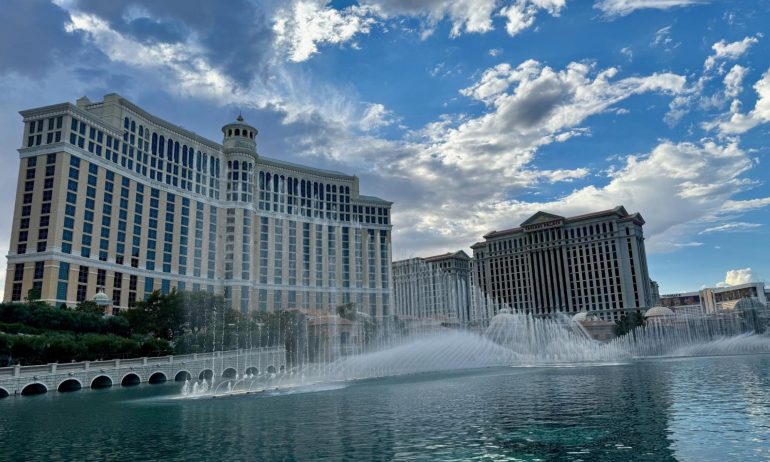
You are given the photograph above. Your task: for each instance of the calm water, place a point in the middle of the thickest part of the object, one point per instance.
(685, 409)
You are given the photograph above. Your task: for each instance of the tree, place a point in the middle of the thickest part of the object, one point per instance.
(89, 306)
(347, 311)
(627, 324)
(160, 314)
(33, 295)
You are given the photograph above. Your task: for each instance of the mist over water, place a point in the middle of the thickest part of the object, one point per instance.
(509, 340)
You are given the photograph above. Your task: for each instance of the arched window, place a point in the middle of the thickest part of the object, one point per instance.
(161, 144)
(133, 126)
(205, 163)
(229, 132)
(235, 165)
(237, 132)
(176, 152)
(261, 180)
(154, 143)
(184, 155)
(125, 123)
(170, 150)
(275, 183)
(141, 130)
(216, 164)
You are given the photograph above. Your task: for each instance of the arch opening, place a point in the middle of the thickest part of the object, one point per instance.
(36, 388)
(251, 371)
(130, 380)
(229, 373)
(69, 385)
(157, 377)
(283, 368)
(271, 369)
(4, 393)
(206, 374)
(101, 381)
(181, 376)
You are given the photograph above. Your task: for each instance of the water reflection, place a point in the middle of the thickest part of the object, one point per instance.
(684, 409)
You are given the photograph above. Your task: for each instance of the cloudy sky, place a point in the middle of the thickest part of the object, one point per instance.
(470, 115)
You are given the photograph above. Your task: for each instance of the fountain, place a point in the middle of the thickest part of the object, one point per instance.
(510, 339)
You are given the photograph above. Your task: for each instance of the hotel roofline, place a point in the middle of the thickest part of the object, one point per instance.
(81, 109)
(619, 211)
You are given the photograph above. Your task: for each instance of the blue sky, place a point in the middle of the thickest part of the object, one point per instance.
(471, 115)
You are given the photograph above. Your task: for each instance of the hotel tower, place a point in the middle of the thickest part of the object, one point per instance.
(112, 198)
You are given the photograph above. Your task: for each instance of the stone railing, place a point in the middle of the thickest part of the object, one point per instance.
(53, 368)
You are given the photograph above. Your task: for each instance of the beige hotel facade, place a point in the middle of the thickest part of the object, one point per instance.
(594, 263)
(112, 198)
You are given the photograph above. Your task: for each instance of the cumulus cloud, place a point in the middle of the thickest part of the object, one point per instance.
(470, 16)
(458, 165)
(733, 81)
(521, 14)
(303, 25)
(736, 277)
(615, 8)
(714, 66)
(737, 122)
(726, 51)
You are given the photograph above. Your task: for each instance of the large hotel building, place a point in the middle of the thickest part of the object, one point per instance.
(112, 198)
(552, 264)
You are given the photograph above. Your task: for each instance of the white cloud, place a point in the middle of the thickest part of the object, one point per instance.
(627, 52)
(615, 8)
(737, 122)
(688, 244)
(303, 25)
(456, 168)
(712, 67)
(521, 14)
(375, 116)
(724, 51)
(662, 38)
(191, 73)
(495, 51)
(470, 16)
(733, 81)
(736, 277)
(730, 227)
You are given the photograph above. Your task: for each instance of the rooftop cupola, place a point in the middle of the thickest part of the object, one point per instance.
(240, 137)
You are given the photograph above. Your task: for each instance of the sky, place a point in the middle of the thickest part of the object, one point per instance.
(470, 115)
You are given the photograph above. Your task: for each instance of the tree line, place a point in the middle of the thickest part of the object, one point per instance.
(162, 324)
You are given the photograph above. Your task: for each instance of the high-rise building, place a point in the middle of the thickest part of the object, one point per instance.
(552, 264)
(111, 197)
(437, 287)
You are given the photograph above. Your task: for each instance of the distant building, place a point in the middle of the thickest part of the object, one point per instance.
(683, 303)
(435, 287)
(720, 299)
(553, 264)
(714, 300)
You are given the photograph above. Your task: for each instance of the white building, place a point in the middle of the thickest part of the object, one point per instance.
(435, 287)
